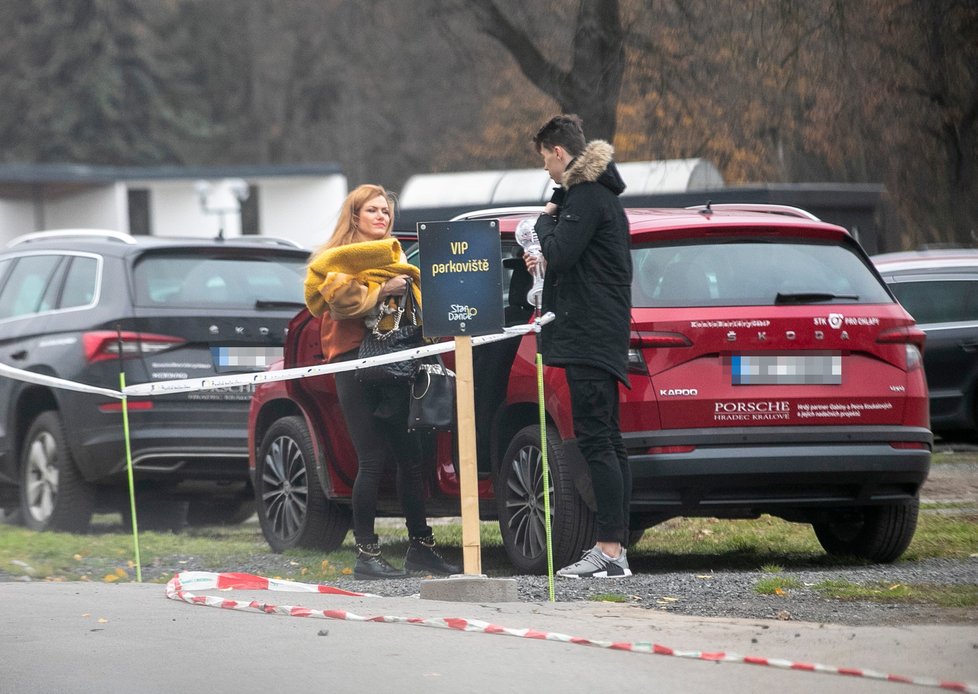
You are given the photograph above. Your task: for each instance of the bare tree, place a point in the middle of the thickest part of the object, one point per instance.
(591, 84)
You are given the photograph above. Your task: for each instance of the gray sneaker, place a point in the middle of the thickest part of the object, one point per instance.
(594, 564)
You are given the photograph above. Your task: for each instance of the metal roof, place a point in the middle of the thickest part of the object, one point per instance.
(85, 173)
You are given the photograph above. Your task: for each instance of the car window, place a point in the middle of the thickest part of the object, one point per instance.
(739, 273)
(25, 287)
(939, 301)
(218, 281)
(4, 267)
(516, 282)
(80, 283)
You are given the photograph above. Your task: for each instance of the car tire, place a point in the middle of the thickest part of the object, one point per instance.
(223, 512)
(875, 533)
(292, 507)
(520, 507)
(53, 493)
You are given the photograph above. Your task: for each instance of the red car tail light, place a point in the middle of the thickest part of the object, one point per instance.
(662, 450)
(909, 335)
(659, 339)
(653, 340)
(106, 344)
(116, 405)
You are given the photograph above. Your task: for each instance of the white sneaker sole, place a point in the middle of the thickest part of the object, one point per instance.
(597, 574)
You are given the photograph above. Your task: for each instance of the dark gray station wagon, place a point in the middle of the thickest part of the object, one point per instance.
(82, 305)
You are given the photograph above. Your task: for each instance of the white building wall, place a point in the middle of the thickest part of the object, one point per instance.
(16, 218)
(96, 208)
(174, 210)
(303, 210)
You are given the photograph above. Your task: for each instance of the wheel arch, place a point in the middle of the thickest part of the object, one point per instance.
(527, 414)
(30, 402)
(279, 408)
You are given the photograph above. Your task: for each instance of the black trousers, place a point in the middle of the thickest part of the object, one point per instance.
(594, 406)
(376, 417)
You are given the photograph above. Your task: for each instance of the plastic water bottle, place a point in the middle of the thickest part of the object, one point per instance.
(526, 236)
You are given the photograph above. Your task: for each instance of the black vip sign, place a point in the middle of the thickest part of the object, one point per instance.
(461, 277)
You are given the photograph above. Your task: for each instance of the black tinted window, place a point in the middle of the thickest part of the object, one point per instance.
(80, 283)
(738, 273)
(939, 301)
(228, 282)
(26, 284)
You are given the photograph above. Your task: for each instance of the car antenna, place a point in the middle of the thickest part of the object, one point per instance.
(707, 210)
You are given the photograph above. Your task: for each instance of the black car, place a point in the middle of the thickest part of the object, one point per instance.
(939, 287)
(83, 305)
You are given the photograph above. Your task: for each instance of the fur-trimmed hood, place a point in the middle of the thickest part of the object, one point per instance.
(595, 164)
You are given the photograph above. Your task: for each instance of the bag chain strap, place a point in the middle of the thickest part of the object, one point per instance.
(399, 312)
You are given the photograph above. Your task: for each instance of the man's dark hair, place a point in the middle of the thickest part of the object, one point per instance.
(566, 130)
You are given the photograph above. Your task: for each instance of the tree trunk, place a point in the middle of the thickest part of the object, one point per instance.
(591, 87)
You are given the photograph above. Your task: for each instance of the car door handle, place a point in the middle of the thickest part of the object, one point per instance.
(969, 346)
(19, 355)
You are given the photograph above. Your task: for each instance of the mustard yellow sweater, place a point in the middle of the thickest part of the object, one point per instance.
(346, 280)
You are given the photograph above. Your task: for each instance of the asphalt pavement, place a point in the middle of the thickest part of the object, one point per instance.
(97, 637)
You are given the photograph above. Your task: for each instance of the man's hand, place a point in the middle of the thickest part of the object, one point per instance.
(530, 260)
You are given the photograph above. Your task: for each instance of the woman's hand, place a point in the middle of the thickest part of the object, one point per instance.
(395, 286)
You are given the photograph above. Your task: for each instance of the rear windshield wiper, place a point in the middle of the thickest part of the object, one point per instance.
(269, 303)
(811, 297)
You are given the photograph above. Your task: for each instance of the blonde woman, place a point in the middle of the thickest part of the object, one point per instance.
(349, 280)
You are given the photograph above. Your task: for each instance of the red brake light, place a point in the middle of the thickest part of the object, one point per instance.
(116, 405)
(661, 450)
(105, 344)
(657, 339)
(904, 334)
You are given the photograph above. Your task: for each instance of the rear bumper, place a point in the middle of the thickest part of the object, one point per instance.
(782, 471)
(201, 453)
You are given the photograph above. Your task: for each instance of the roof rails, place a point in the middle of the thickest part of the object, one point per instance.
(787, 210)
(72, 233)
(491, 212)
(270, 240)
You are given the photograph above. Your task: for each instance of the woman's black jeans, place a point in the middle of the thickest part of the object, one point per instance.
(376, 417)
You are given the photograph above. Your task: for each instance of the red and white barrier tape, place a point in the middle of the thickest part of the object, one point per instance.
(176, 590)
(251, 378)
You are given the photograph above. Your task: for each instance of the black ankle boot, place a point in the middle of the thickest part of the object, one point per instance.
(421, 556)
(372, 565)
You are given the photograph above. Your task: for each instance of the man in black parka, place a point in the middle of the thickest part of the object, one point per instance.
(584, 239)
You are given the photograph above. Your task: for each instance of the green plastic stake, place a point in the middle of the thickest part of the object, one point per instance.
(132, 486)
(546, 471)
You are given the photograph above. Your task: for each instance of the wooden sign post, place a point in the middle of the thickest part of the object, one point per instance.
(467, 470)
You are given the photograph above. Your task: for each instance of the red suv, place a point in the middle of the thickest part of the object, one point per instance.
(772, 372)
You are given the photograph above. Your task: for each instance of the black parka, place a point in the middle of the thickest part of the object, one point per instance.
(589, 267)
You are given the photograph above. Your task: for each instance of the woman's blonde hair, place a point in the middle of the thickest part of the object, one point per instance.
(346, 226)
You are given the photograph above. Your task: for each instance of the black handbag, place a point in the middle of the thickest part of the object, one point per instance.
(398, 338)
(432, 404)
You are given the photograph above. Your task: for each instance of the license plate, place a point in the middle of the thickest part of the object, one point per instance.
(786, 369)
(244, 358)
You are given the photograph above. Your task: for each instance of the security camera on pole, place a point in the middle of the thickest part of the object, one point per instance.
(223, 198)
